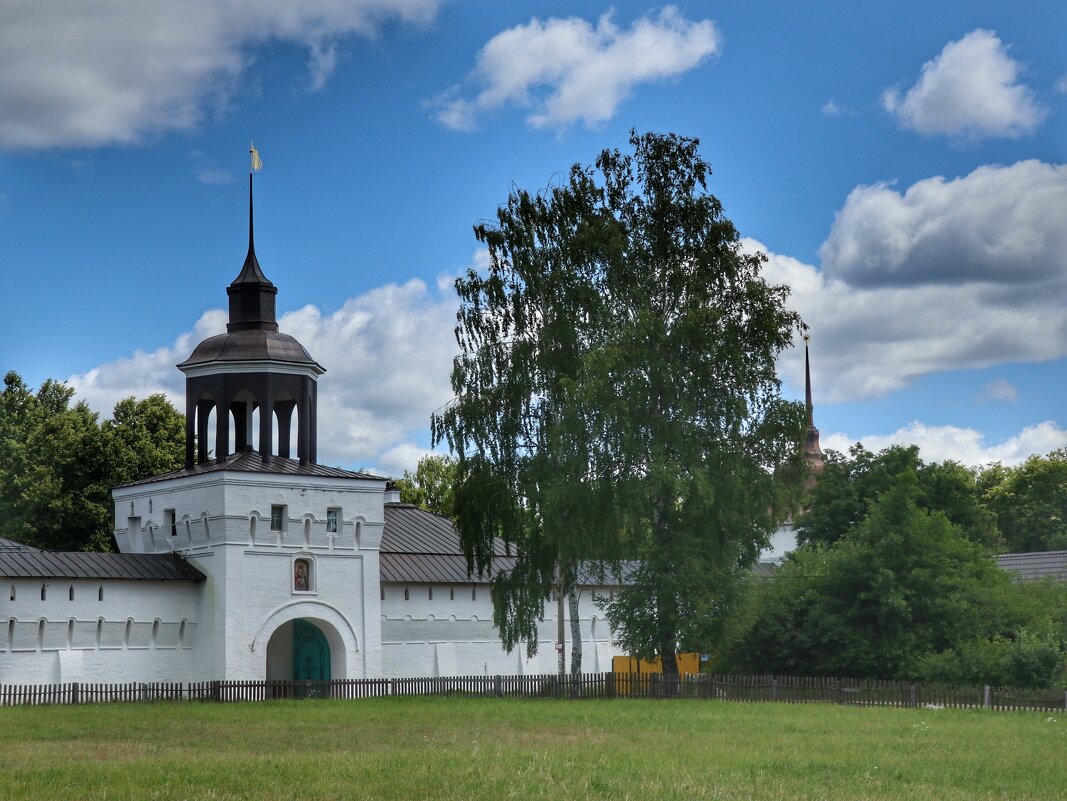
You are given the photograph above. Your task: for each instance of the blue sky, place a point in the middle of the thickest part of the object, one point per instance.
(902, 165)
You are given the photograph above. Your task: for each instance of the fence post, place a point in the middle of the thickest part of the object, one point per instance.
(216, 690)
(609, 685)
(774, 688)
(985, 698)
(75, 692)
(913, 699)
(498, 685)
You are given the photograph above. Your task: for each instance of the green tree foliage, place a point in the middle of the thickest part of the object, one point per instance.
(850, 485)
(616, 397)
(1030, 503)
(904, 594)
(431, 486)
(58, 464)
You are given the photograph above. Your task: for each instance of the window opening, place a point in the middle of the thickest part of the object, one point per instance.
(407, 596)
(44, 591)
(100, 594)
(431, 592)
(12, 592)
(474, 592)
(277, 518)
(71, 593)
(170, 522)
(451, 593)
(332, 516)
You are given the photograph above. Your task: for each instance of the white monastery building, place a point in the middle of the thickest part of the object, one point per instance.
(256, 562)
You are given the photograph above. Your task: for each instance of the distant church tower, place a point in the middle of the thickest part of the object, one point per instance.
(813, 454)
(251, 367)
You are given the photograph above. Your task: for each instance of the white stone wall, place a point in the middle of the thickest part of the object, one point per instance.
(139, 631)
(453, 634)
(223, 526)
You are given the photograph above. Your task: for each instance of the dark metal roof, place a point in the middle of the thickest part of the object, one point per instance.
(1047, 564)
(420, 547)
(22, 561)
(250, 345)
(409, 529)
(252, 462)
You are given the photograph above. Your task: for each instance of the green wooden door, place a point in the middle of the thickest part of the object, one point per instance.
(311, 652)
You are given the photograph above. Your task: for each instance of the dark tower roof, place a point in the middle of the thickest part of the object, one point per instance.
(252, 331)
(251, 294)
(252, 369)
(813, 454)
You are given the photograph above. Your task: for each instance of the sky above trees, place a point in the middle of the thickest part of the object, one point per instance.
(903, 166)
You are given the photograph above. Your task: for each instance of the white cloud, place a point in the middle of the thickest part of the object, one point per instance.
(950, 275)
(388, 354)
(566, 70)
(832, 109)
(1000, 390)
(1002, 225)
(78, 74)
(1061, 85)
(965, 445)
(214, 176)
(869, 341)
(971, 89)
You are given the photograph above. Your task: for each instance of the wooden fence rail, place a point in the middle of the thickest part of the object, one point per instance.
(708, 686)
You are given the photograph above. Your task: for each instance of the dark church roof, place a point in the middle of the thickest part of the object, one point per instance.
(251, 462)
(22, 561)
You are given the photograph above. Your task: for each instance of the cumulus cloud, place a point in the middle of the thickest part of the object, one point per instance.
(387, 352)
(567, 70)
(1001, 225)
(948, 275)
(869, 341)
(965, 445)
(1000, 390)
(77, 74)
(971, 89)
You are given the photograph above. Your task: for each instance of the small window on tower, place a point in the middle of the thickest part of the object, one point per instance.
(170, 522)
(277, 518)
(332, 517)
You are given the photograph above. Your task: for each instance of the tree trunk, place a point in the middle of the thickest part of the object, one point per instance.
(576, 635)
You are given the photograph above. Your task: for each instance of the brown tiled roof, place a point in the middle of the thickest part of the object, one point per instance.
(252, 462)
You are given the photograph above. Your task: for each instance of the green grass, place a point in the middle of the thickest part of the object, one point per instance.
(499, 749)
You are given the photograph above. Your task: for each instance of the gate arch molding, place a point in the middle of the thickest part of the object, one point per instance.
(344, 646)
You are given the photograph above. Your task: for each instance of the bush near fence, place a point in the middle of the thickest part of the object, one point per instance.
(707, 686)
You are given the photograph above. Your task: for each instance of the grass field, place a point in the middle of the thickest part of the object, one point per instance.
(498, 749)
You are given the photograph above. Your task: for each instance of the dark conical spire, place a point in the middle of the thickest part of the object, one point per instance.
(807, 384)
(251, 294)
(812, 451)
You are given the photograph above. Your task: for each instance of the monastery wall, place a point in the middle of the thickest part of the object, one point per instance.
(99, 631)
(452, 634)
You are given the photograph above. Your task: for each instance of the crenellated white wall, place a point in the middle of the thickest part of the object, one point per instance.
(139, 631)
(453, 634)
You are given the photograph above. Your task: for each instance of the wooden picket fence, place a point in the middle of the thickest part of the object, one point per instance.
(775, 689)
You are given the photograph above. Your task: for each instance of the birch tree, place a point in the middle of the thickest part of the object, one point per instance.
(616, 398)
